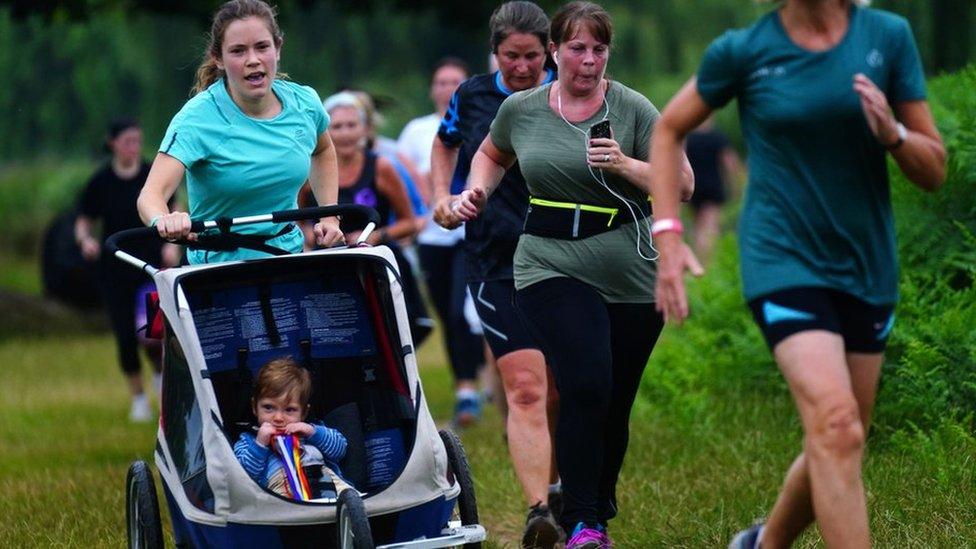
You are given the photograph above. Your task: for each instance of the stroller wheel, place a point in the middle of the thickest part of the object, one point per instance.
(352, 525)
(142, 508)
(457, 466)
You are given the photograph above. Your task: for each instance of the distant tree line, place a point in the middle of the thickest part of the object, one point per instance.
(72, 65)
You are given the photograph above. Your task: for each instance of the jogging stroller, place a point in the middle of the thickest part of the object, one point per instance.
(340, 313)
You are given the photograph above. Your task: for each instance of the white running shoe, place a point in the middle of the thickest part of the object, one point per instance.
(140, 411)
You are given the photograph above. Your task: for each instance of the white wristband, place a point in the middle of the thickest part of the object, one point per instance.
(671, 224)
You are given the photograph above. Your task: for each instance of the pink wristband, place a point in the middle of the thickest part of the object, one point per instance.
(668, 225)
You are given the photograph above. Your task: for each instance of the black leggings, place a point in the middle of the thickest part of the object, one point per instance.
(445, 273)
(597, 352)
(119, 290)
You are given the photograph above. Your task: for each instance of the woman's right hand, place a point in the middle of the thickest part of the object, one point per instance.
(675, 258)
(175, 226)
(470, 203)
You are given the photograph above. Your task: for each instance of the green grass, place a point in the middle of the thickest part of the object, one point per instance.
(20, 274)
(691, 478)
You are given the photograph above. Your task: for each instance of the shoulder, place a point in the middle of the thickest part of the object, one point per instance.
(201, 108)
(304, 96)
(630, 98)
(883, 20)
(477, 84)
(528, 99)
(734, 44)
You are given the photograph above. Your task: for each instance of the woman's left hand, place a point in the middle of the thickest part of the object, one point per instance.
(878, 113)
(604, 153)
(327, 233)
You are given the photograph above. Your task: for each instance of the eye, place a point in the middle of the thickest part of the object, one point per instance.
(292, 409)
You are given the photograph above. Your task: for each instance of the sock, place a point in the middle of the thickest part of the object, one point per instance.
(463, 394)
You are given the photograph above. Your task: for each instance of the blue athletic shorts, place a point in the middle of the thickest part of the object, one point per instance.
(864, 327)
(503, 328)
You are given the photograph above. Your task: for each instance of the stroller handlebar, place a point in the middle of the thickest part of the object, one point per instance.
(114, 243)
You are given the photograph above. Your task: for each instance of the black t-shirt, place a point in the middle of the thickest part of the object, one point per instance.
(112, 200)
(489, 240)
(704, 149)
(364, 193)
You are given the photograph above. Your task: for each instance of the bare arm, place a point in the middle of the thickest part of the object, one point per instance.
(683, 114)
(90, 248)
(487, 170)
(388, 182)
(323, 178)
(163, 180)
(443, 161)
(921, 156)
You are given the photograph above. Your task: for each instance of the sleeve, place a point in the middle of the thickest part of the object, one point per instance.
(88, 203)
(253, 456)
(645, 118)
(448, 132)
(184, 139)
(329, 441)
(407, 143)
(316, 110)
(908, 78)
(501, 126)
(718, 74)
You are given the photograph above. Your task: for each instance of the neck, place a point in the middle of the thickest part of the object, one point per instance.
(350, 159)
(264, 107)
(574, 96)
(125, 169)
(819, 15)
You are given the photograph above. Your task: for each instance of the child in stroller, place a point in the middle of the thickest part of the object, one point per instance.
(281, 402)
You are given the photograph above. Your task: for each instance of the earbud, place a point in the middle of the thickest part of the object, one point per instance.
(555, 57)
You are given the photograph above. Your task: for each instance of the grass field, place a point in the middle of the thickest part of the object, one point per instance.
(690, 479)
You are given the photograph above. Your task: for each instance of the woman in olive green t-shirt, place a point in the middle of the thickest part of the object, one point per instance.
(584, 271)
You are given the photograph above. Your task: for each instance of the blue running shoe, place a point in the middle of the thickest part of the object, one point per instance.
(467, 411)
(748, 538)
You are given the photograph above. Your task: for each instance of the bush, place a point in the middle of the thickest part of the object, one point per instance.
(929, 378)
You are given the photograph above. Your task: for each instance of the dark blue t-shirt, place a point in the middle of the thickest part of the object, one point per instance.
(489, 240)
(817, 210)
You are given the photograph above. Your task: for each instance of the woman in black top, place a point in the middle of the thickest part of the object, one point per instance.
(110, 197)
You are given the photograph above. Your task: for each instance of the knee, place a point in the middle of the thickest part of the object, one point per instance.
(837, 431)
(524, 389)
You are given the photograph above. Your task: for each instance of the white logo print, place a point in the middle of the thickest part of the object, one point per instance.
(875, 59)
(767, 72)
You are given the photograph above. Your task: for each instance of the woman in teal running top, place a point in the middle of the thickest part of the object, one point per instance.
(246, 141)
(816, 82)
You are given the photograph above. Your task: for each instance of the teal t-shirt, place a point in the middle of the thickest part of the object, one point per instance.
(239, 166)
(817, 211)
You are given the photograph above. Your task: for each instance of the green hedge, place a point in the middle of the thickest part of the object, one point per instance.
(929, 378)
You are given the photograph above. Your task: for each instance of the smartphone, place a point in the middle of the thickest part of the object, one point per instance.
(600, 130)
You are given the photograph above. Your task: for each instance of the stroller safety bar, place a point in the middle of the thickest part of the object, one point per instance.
(115, 242)
(452, 536)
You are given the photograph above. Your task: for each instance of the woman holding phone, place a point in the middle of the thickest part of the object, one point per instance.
(584, 266)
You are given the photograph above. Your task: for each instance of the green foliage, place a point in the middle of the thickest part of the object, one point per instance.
(31, 194)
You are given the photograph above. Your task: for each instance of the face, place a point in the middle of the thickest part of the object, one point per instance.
(249, 58)
(347, 130)
(521, 58)
(443, 84)
(279, 411)
(127, 146)
(582, 61)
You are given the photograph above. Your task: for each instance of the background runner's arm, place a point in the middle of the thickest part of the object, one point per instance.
(443, 161)
(389, 183)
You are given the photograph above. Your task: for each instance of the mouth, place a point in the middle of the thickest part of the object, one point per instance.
(255, 78)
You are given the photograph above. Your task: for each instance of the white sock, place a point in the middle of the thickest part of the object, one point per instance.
(462, 394)
(158, 383)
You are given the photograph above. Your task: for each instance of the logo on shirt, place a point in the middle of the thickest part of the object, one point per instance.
(767, 72)
(875, 59)
(299, 133)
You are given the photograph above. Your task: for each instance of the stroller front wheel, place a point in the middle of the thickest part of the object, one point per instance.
(142, 508)
(352, 525)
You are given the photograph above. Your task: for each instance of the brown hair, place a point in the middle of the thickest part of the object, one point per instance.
(231, 11)
(567, 21)
(455, 62)
(283, 376)
(518, 17)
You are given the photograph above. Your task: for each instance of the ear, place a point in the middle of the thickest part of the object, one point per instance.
(218, 62)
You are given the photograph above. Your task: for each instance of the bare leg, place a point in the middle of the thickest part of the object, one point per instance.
(135, 383)
(524, 374)
(816, 368)
(793, 511)
(706, 229)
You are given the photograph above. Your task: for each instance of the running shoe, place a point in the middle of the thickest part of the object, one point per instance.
(140, 411)
(585, 537)
(467, 411)
(541, 530)
(748, 538)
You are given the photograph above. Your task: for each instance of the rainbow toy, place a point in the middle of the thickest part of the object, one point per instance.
(289, 451)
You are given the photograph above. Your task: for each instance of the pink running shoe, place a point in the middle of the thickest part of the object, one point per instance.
(585, 537)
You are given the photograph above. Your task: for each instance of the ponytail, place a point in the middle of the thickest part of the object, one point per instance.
(207, 74)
